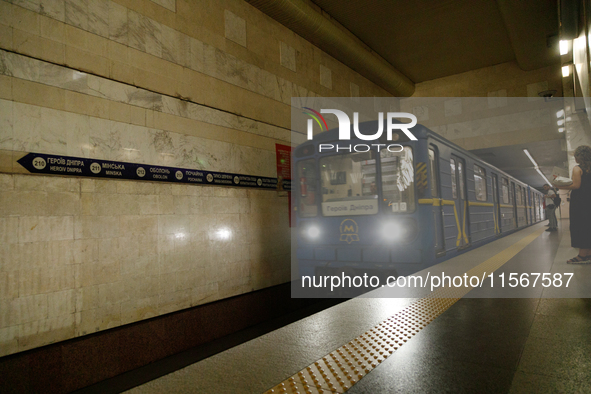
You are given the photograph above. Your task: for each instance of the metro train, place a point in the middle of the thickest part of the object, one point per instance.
(399, 210)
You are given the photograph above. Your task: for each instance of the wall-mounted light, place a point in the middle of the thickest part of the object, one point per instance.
(560, 122)
(223, 234)
(560, 113)
(566, 70)
(561, 129)
(563, 47)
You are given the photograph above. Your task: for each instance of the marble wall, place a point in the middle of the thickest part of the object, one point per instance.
(485, 122)
(80, 255)
(502, 80)
(204, 85)
(489, 107)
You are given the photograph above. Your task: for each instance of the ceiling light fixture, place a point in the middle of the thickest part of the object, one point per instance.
(542, 175)
(530, 158)
(535, 165)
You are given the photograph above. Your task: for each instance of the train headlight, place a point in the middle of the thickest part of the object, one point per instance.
(393, 230)
(400, 230)
(311, 232)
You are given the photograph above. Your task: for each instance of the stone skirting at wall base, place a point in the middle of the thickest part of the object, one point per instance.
(77, 363)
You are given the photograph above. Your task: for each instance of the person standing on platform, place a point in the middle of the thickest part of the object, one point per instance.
(580, 206)
(550, 208)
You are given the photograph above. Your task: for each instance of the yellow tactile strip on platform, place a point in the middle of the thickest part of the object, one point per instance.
(339, 370)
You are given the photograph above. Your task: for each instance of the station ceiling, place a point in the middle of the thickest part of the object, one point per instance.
(513, 160)
(430, 39)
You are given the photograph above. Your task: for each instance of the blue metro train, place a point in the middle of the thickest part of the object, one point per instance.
(397, 211)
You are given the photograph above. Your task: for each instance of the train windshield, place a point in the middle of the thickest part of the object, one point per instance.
(349, 184)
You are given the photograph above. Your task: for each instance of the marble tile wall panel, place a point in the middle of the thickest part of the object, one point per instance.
(453, 107)
(118, 23)
(168, 4)
(235, 28)
(77, 13)
(6, 140)
(287, 56)
(144, 33)
(497, 98)
(33, 5)
(98, 17)
(29, 128)
(109, 19)
(325, 76)
(113, 264)
(55, 9)
(50, 74)
(176, 47)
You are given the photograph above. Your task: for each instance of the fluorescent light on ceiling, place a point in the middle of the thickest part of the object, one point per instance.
(543, 176)
(531, 158)
(536, 165)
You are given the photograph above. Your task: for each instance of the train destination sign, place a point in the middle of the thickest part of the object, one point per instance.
(352, 207)
(66, 165)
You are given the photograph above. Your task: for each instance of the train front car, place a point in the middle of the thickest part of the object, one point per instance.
(357, 204)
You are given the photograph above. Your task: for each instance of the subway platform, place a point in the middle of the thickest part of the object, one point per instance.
(437, 343)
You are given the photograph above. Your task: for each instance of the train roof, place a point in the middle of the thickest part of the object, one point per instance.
(420, 132)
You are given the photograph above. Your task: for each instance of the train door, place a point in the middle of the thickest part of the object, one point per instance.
(436, 196)
(512, 193)
(496, 208)
(518, 205)
(461, 203)
(528, 205)
(525, 203)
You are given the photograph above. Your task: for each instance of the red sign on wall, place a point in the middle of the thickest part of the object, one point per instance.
(283, 167)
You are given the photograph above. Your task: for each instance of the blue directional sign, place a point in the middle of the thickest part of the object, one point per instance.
(41, 163)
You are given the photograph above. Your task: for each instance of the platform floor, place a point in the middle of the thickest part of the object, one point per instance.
(487, 345)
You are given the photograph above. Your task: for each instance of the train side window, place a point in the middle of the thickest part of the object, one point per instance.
(518, 195)
(505, 190)
(306, 171)
(433, 167)
(398, 179)
(480, 183)
(454, 186)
